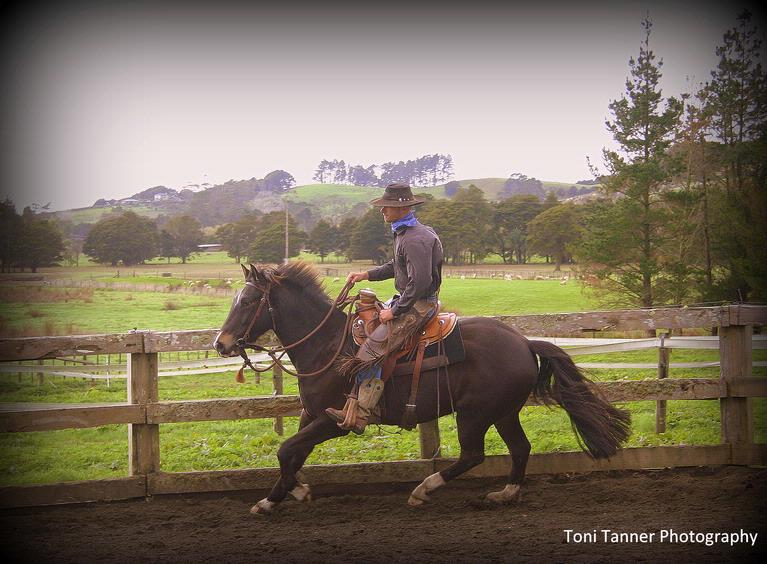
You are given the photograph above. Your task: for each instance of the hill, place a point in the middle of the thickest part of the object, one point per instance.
(226, 202)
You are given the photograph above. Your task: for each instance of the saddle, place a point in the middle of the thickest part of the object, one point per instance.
(436, 345)
(365, 321)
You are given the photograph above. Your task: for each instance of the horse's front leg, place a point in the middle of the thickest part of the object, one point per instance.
(292, 455)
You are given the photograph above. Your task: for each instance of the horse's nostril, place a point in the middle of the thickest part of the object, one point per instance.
(219, 346)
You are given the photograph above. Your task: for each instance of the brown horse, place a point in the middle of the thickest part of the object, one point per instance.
(489, 387)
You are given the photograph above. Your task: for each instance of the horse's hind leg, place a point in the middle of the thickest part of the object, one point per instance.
(514, 436)
(471, 436)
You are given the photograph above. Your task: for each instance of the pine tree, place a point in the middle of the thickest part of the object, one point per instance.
(345, 232)
(554, 231)
(510, 220)
(643, 125)
(269, 242)
(10, 226)
(39, 241)
(735, 100)
(371, 238)
(322, 239)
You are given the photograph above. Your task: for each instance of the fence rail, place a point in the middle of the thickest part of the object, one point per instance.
(144, 413)
(574, 346)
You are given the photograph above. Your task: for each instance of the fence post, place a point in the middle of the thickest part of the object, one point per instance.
(664, 355)
(277, 382)
(429, 438)
(40, 375)
(143, 439)
(736, 413)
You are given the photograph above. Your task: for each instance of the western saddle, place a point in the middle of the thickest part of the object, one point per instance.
(440, 326)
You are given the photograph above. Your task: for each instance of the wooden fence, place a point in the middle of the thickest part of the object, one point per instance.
(143, 413)
(470, 272)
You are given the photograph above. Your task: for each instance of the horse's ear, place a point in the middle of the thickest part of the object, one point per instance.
(245, 271)
(257, 276)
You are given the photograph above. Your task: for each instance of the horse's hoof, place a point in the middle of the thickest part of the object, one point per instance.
(302, 493)
(420, 494)
(510, 494)
(263, 507)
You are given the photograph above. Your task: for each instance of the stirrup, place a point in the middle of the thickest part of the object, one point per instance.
(339, 416)
(357, 429)
(336, 415)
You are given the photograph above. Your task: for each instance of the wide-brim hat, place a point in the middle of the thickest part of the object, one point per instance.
(397, 196)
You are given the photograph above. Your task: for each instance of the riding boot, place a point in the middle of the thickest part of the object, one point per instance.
(369, 394)
(340, 415)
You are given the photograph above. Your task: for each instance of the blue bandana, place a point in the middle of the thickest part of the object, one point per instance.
(408, 221)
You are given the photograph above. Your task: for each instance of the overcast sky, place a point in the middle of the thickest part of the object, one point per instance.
(104, 99)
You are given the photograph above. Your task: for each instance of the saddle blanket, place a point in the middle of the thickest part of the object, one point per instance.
(448, 351)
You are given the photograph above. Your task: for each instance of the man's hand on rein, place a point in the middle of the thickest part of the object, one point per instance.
(355, 277)
(385, 315)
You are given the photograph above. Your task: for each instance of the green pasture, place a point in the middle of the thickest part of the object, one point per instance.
(41, 310)
(78, 454)
(93, 215)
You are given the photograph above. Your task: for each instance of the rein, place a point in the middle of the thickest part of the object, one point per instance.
(342, 301)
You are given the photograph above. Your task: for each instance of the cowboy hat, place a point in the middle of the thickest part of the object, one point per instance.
(397, 196)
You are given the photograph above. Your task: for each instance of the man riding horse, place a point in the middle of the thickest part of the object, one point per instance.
(417, 271)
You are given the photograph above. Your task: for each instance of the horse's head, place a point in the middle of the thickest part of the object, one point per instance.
(250, 315)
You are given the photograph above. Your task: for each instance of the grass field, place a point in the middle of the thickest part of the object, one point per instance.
(41, 310)
(93, 215)
(101, 452)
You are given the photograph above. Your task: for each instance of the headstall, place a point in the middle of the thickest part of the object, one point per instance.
(276, 353)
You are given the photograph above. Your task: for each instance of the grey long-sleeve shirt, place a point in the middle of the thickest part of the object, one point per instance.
(416, 266)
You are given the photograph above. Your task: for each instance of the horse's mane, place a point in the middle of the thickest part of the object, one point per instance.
(301, 275)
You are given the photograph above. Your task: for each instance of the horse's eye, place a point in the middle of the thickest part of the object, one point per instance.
(245, 302)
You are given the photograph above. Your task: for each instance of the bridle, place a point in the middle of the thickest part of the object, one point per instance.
(342, 301)
(265, 301)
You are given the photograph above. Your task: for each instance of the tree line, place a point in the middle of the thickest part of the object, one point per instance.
(428, 170)
(30, 240)
(684, 217)
(132, 239)
(27, 240)
(471, 228)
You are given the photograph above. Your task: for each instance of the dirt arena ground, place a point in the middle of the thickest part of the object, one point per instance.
(378, 526)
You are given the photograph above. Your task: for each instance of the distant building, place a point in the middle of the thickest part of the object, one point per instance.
(167, 197)
(210, 247)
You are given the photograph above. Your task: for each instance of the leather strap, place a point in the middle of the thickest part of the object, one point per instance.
(409, 419)
(431, 363)
(387, 369)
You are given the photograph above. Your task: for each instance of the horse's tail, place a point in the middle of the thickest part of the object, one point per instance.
(599, 426)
